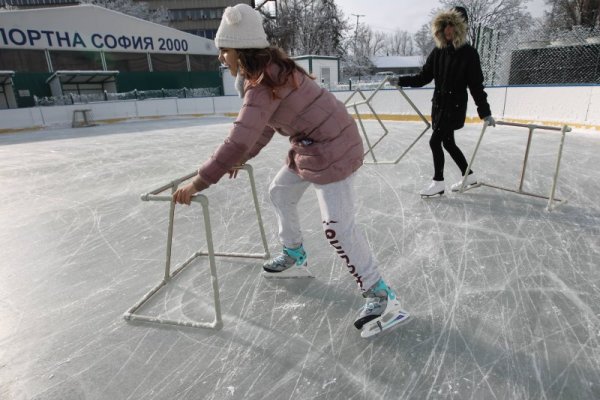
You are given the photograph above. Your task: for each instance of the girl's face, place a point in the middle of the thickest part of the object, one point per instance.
(449, 32)
(229, 57)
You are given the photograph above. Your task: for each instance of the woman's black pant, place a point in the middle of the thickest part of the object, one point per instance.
(446, 137)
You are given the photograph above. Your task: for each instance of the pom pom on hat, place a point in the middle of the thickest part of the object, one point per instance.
(241, 28)
(232, 15)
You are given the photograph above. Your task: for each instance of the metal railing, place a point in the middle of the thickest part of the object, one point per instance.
(552, 201)
(367, 101)
(155, 195)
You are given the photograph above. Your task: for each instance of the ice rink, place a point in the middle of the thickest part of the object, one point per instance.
(504, 296)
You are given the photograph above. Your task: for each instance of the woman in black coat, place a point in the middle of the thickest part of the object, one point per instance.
(454, 65)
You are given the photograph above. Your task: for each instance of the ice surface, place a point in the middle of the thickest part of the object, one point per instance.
(504, 296)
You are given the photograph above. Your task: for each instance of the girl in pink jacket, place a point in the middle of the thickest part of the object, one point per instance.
(326, 151)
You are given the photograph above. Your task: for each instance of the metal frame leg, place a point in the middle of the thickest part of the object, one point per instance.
(551, 199)
(472, 160)
(362, 127)
(427, 124)
(217, 323)
(552, 202)
(367, 101)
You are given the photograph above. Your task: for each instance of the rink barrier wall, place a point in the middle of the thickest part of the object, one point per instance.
(577, 106)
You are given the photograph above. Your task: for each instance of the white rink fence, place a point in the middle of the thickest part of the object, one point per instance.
(577, 106)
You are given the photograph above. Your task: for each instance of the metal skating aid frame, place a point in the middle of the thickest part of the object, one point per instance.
(552, 202)
(154, 195)
(367, 101)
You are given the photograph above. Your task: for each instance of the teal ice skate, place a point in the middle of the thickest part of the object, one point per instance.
(381, 311)
(291, 263)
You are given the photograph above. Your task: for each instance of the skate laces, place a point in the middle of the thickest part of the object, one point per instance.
(280, 259)
(373, 303)
(298, 254)
(379, 291)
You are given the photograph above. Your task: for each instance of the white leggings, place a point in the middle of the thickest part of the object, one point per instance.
(336, 201)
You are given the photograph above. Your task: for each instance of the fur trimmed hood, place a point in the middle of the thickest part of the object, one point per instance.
(460, 28)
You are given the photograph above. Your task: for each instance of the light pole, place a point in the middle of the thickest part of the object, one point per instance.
(355, 38)
(356, 29)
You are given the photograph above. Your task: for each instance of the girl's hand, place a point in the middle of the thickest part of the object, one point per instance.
(184, 194)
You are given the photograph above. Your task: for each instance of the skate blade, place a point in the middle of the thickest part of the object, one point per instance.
(473, 186)
(290, 273)
(389, 320)
(426, 196)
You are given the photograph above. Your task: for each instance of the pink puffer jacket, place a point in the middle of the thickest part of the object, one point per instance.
(325, 144)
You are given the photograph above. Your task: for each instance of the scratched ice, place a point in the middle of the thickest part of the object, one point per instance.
(505, 296)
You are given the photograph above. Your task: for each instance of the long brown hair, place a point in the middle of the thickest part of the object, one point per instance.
(254, 63)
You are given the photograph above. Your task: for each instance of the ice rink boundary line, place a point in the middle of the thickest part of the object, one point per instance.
(468, 120)
(17, 130)
(387, 117)
(476, 120)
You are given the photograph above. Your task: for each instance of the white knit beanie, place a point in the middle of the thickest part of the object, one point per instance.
(241, 28)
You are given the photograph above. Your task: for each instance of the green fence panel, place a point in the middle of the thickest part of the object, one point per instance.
(29, 84)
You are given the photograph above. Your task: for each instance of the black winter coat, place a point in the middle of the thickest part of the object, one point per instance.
(453, 71)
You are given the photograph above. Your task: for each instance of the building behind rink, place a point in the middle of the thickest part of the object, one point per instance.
(87, 49)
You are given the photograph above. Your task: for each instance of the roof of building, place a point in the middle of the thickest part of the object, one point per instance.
(313, 56)
(397, 61)
(91, 28)
(6, 77)
(37, 3)
(84, 76)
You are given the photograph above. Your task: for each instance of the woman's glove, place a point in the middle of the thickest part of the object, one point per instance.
(490, 120)
(393, 81)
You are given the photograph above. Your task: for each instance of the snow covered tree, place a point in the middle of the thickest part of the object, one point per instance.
(308, 27)
(366, 42)
(503, 16)
(357, 65)
(424, 41)
(565, 14)
(361, 46)
(377, 43)
(399, 43)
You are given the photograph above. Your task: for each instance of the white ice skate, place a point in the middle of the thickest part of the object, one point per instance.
(393, 316)
(435, 188)
(381, 311)
(291, 263)
(471, 182)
